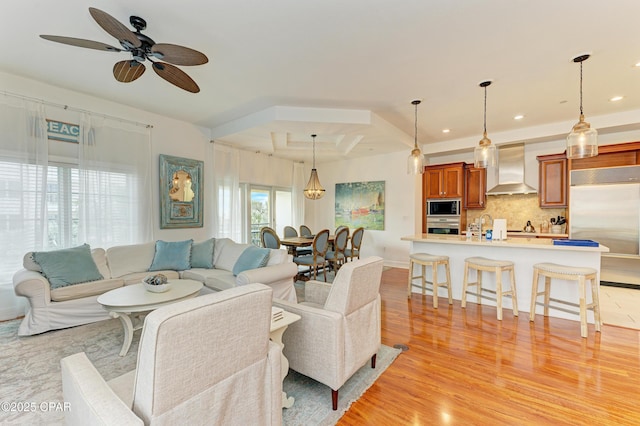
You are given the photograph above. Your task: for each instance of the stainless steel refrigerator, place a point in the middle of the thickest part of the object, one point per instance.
(605, 207)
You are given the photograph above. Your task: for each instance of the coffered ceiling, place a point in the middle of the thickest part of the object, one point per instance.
(280, 70)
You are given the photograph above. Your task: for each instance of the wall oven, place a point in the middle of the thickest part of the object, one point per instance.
(444, 216)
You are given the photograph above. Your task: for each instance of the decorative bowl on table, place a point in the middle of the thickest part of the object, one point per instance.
(156, 283)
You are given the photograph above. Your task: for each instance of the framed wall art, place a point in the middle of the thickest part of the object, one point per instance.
(360, 204)
(180, 192)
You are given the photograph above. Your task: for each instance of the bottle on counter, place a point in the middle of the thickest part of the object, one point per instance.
(469, 233)
(488, 235)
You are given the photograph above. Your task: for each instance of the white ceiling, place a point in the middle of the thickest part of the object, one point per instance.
(280, 70)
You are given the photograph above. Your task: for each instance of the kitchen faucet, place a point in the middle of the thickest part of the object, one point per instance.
(480, 223)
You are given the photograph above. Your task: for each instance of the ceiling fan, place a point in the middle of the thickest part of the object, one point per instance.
(142, 48)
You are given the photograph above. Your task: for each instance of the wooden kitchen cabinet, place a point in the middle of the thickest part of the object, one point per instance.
(475, 187)
(552, 180)
(443, 181)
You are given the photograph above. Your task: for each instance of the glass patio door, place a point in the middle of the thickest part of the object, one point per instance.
(269, 207)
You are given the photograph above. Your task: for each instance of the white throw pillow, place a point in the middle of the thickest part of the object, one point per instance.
(227, 253)
(123, 260)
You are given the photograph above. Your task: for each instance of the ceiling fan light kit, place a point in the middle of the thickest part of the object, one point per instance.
(142, 48)
(415, 162)
(484, 155)
(582, 142)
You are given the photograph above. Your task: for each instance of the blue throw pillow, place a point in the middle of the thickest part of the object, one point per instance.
(68, 266)
(172, 255)
(253, 257)
(202, 254)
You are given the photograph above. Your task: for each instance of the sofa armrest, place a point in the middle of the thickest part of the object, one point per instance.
(91, 400)
(268, 274)
(32, 285)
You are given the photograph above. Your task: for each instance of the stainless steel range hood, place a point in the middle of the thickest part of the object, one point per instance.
(511, 172)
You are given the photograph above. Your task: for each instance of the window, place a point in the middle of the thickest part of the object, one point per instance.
(267, 206)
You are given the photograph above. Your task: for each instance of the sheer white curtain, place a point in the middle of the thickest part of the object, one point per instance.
(115, 201)
(226, 193)
(23, 180)
(297, 196)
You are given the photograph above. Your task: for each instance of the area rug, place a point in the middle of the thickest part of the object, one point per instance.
(30, 373)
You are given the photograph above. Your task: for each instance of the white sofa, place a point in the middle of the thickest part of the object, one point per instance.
(52, 309)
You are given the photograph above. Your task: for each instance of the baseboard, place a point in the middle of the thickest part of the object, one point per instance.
(621, 285)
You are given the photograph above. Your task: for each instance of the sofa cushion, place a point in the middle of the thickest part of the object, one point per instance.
(125, 260)
(227, 253)
(137, 277)
(29, 263)
(174, 255)
(78, 291)
(100, 257)
(278, 256)
(68, 266)
(251, 258)
(202, 254)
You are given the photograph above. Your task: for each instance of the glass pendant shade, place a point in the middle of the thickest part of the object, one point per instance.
(314, 190)
(415, 162)
(582, 142)
(484, 155)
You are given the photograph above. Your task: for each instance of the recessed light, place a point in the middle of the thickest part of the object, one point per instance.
(518, 117)
(446, 130)
(637, 65)
(616, 98)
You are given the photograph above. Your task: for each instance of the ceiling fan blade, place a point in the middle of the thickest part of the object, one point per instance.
(80, 42)
(178, 55)
(175, 76)
(114, 27)
(127, 71)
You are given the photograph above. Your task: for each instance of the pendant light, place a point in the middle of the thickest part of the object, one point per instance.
(484, 155)
(582, 142)
(415, 162)
(314, 190)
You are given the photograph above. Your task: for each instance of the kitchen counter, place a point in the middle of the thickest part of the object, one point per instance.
(522, 234)
(524, 252)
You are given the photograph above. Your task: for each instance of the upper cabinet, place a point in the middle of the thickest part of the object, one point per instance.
(443, 181)
(475, 187)
(552, 185)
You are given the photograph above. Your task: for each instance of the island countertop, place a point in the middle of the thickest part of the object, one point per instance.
(520, 242)
(523, 252)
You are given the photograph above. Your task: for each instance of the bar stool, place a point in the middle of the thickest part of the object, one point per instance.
(482, 264)
(570, 273)
(424, 260)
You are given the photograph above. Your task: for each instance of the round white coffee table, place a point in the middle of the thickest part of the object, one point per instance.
(133, 300)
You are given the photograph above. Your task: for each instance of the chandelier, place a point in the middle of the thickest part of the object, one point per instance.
(314, 190)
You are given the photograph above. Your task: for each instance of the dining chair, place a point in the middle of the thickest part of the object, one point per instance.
(356, 242)
(317, 258)
(336, 256)
(305, 231)
(269, 238)
(290, 232)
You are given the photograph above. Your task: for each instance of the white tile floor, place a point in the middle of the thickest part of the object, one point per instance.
(620, 306)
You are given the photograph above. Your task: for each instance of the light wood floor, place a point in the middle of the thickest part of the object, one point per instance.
(464, 367)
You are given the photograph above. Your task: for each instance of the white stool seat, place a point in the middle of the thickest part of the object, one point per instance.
(568, 273)
(565, 270)
(425, 257)
(492, 263)
(482, 264)
(433, 261)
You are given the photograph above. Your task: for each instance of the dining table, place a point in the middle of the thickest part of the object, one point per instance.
(294, 242)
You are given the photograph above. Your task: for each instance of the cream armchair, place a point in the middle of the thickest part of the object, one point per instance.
(202, 361)
(340, 326)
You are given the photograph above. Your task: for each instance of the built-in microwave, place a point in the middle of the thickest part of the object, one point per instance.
(444, 207)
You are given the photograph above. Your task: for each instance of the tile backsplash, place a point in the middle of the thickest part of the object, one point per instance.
(517, 209)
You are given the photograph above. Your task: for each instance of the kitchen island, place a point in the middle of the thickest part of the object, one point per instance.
(523, 252)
